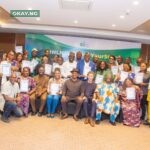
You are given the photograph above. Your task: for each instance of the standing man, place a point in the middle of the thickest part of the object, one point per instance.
(120, 62)
(34, 60)
(78, 56)
(95, 60)
(69, 65)
(84, 66)
(72, 91)
(10, 92)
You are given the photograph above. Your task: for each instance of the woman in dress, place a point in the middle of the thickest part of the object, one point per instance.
(24, 103)
(130, 103)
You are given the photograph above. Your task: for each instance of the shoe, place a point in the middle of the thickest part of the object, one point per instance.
(48, 115)
(64, 116)
(92, 122)
(52, 116)
(26, 115)
(33, 113)
(6, 120)
(112, 123)
(75, 118)
(146, 123)
(97, 122)
(40, 114)
(86, 121)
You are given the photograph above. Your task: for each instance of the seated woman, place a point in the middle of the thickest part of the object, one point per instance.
(27, 87)
(54, 92)
(106, 97)
(130, 103)
(88, 104)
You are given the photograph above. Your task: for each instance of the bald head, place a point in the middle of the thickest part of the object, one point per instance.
(12, 78)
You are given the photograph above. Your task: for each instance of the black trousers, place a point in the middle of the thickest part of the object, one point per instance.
(144, 105)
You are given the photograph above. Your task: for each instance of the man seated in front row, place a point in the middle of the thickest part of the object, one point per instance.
(72, 91)
(10, 92)
(41, 81)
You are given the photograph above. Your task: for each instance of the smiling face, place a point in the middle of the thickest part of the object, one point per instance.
(128, 83)
(126, 68)
(90, 77)
(60, 60)
(26, 72)
(19, 58)
(57, 74)
(74, 75)
(79, 55)
(41, 71)
(71, 57)
(47, 53)
(111, 60)
(11, 55)
(87, 57)
(102, 65)
(45, 60)
(143, 67)
(13, 78)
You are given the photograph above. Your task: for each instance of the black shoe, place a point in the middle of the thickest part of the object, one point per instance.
(97, 122)
(6, 120)
(112, 123)
(33, 113)
(146, 123)
(40, 114)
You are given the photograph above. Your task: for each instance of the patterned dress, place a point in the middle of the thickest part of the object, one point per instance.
(131, 110)
(107, 101)
(24, 103)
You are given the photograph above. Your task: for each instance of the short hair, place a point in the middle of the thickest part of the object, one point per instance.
(57, 69)
(91, 72)
(112, 56)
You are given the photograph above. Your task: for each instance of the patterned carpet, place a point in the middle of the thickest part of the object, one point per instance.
(35, 133)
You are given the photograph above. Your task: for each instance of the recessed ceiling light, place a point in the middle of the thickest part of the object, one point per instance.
(76, 21)
(113, 25)
(136, 3)
(122, 16)
(38, 19)
(29, 8)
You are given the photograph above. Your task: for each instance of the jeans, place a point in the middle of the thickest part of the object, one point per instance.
(89, 108)
(11, 107)
(52, 102)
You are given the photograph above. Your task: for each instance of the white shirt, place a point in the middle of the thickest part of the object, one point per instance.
(86, 68)
(67, 67)
(10, 89)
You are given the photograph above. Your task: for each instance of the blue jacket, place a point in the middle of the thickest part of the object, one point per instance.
(80, 66)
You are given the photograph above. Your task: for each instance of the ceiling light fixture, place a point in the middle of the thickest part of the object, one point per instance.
(136, 3)
(113, 25)
(29, 8)
(38, 19)
(122, 16)
(75, 21)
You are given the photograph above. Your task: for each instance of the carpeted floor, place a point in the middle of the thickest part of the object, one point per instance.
(35, 133)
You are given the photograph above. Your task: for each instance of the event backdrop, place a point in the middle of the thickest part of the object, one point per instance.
(62, 45)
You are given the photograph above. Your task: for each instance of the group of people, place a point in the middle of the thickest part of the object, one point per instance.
(96, 86)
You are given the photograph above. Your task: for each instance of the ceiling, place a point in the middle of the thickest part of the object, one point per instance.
(127, 16)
